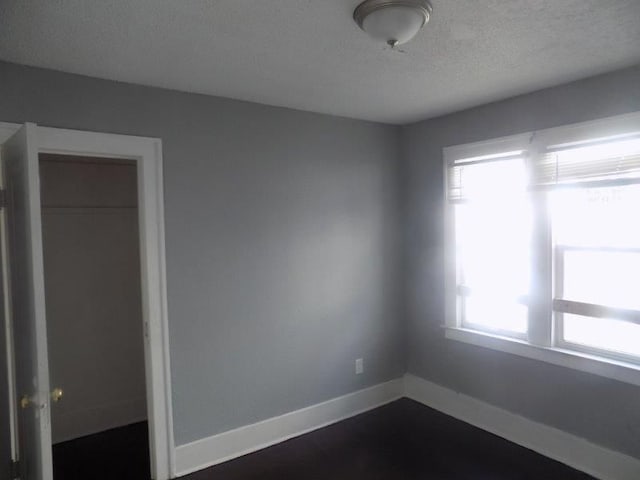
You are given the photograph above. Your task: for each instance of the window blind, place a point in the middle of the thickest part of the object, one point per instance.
(462, 175)
(593, 161)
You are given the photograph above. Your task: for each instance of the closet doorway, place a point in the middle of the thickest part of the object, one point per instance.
(94, 317)
(28, 152)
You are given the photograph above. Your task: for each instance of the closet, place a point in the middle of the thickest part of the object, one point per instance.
(93, 309)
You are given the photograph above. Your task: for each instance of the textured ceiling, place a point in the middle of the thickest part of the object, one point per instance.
(309, 55)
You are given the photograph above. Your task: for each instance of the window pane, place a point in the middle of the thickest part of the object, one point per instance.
(603, 278)
(495, 314)
(493, 180)
(493, 231)
(606, 334)
(597, 217)
(493, 249)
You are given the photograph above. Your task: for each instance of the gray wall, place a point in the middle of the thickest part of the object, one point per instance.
(282, 242)
(92, 284)
(604, 411)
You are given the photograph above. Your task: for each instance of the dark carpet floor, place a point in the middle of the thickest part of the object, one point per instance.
(402, 440)
(118, 454)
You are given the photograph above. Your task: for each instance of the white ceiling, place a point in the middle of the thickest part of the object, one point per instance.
(310, 55)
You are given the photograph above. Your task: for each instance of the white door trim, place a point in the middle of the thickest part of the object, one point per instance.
(147, 153)
(8, 324)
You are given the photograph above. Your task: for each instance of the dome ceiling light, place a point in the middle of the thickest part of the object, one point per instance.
(393, 21)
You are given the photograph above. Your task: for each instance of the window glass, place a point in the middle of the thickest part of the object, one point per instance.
(493, 231)
(602, 333)
(497, 314)
(598, 260)
(597, 217)
(610, 278)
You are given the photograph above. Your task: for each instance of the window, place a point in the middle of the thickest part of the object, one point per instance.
(543, 247)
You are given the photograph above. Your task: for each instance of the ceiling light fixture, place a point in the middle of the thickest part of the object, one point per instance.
(393, 21)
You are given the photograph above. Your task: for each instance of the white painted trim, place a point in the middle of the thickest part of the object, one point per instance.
(548, 441)
(451, 310)
(8, 315)
(618, 370)
(147, 152)
(241, 441)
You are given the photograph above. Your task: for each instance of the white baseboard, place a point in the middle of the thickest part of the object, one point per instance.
(571, 450)
(240, 441)
(576, 452)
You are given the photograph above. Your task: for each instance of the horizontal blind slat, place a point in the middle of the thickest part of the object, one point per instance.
(600, 161)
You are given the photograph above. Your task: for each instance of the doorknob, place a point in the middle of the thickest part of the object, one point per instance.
(25, 401)
(56, 394)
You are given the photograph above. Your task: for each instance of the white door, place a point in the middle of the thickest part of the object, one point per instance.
(26, 284)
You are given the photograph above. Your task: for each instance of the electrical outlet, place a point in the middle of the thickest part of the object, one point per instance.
(359, 366)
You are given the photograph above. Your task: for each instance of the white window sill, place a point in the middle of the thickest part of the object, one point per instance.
(617, 370)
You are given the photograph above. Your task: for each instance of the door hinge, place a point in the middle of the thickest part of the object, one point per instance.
(15, 469)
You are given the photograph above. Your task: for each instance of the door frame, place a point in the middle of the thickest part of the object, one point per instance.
(147, 153)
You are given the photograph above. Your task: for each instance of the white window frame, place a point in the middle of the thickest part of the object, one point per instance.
(539, 342)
